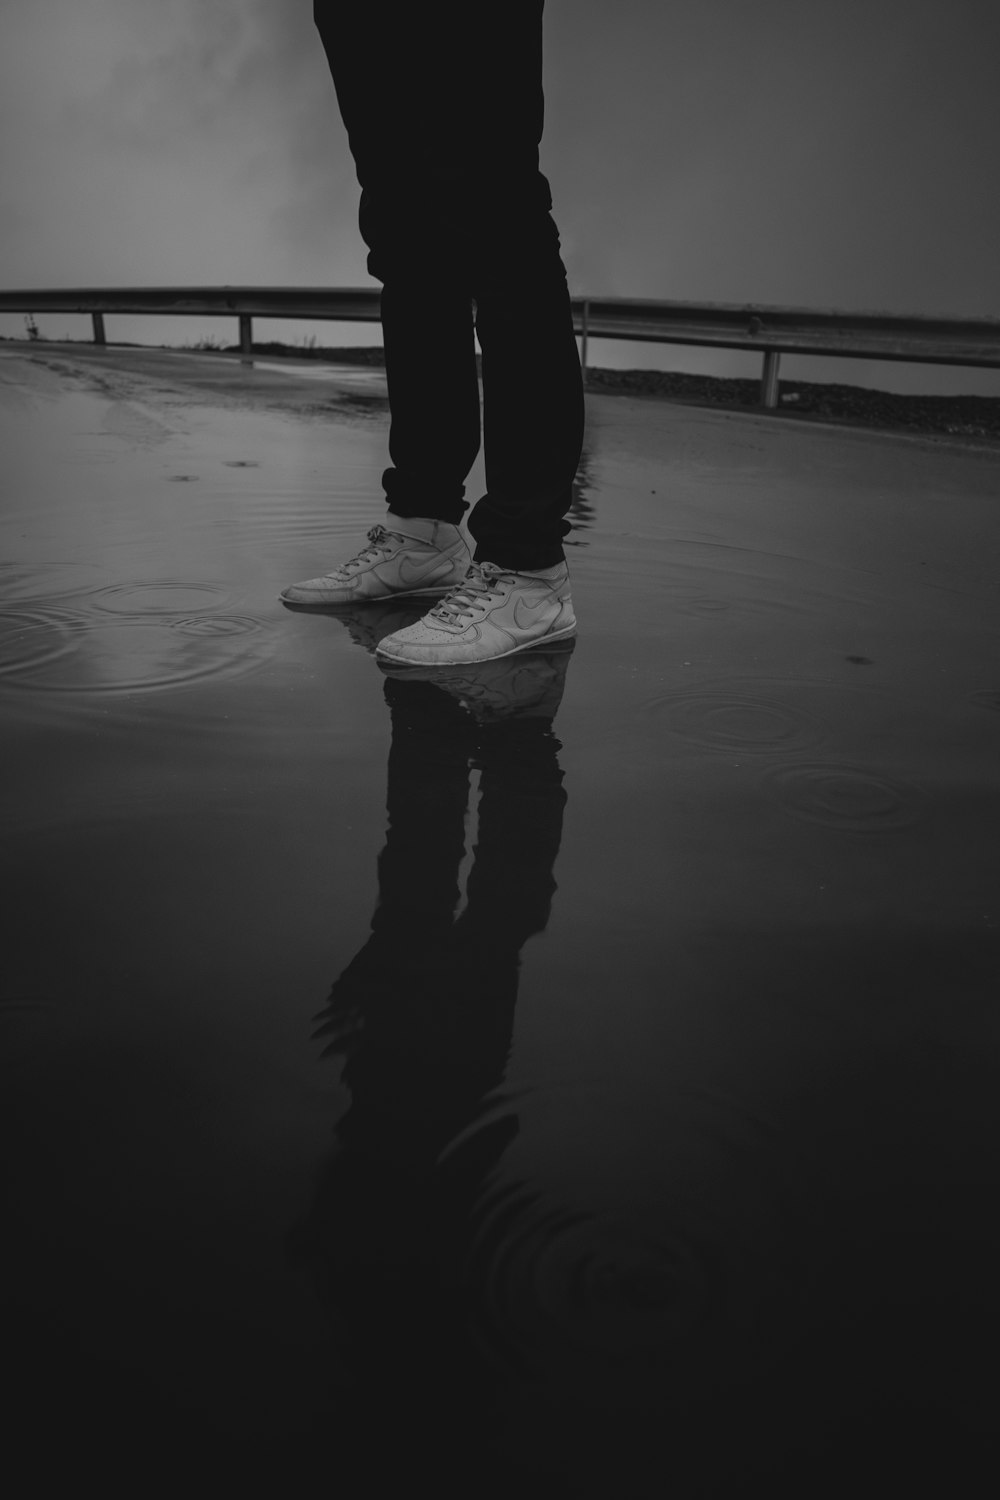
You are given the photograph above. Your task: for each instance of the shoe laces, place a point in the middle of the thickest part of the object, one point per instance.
(470, 596)
(378, 536)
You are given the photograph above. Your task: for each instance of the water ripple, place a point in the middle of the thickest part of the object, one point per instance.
(608, 1305)
(707, 581)
(659, 1257)
(32, 638)
(554, 1276)
(730, 719)
(340, 523)
(34, 587)
(141, 636)
(702, 604)
(158, 597)
(144, 658)
(848, 797)
(211, 625)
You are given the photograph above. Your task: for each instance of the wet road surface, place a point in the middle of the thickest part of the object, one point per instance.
(580, 1072)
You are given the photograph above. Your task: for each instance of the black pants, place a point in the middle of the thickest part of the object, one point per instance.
(443, 106)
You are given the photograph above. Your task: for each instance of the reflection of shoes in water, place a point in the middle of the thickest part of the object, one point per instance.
(408, 556)
(367, 624)
(494, 612)
(526, 685)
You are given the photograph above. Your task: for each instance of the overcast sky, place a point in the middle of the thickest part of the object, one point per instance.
(824, 153)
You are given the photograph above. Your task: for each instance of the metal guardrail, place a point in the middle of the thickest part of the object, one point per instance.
(769, 331)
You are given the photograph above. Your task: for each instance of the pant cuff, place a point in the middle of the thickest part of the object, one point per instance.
(519, 561)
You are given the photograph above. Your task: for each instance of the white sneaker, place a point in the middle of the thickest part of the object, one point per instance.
(493, 612)
(407, 556)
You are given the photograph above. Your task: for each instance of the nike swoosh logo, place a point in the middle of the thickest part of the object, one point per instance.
(526, 615)
(411, 572)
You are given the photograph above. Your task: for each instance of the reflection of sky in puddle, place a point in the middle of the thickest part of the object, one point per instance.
(343, 374)
(308, 369)
(653, 980)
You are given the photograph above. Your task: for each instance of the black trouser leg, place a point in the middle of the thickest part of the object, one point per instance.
(533, 416)
(443, 107)
(430, 366)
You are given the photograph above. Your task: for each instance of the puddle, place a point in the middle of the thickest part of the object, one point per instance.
(845, 797)
(595, 1048)
(373, 380)
(727, 718)
(72, 648)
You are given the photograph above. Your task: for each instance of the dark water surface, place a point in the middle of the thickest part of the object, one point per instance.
(580, 1073)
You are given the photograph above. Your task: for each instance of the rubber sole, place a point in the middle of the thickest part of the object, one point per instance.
(543, 640)
(301, 604)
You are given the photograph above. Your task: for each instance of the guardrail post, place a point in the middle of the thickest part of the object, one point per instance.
(98, 321)
(583, 339)
(246, 337)
(769, 378)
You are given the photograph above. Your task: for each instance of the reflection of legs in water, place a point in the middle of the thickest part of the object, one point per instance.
(520, 824)
(424, 1016)
(402, 979)
(428, 1002)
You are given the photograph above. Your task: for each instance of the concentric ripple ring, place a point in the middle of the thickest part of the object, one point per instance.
(734, 720)
(852, 798)
(159, 597)
(30, 638)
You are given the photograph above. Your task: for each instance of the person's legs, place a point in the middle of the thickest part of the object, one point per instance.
(532, 386)
(430, 366)
(382, 58)
(443, 106)
(533, 405)
(400, 74)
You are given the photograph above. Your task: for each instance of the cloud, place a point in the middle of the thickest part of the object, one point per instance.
(779, 152)
(174, 141)
(838, 155)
